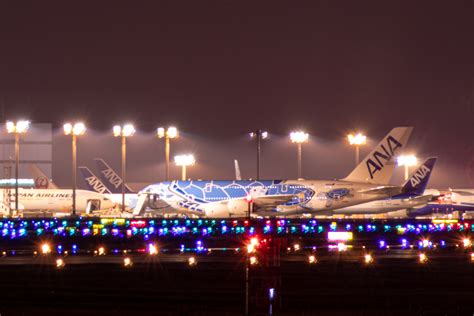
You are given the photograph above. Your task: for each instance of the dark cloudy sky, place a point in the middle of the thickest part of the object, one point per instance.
(218, 69)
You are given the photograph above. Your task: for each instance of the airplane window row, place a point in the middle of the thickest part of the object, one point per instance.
(268, 187)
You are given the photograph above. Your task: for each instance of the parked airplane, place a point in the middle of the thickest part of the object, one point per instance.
(413, 195)
(449, 201)
(214, 198)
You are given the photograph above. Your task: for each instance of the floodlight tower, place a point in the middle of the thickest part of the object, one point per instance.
(357, 140)
(259, 135)
(299, 137)
(407, 161)
(184, 161)
(168, 133)
(74, 130)
(17, 128)
(123, 132)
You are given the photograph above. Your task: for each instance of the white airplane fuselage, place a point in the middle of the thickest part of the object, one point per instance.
(59, 200)
(116, 198)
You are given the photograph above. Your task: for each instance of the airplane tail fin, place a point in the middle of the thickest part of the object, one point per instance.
(417, 182)
(41, 180)
(237, 170)
(92, 182)
(379, 165)
(110, 178)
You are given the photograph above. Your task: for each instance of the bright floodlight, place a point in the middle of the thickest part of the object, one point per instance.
(263, 134)
(170, 132)
(184, 160)
(299, 137)
(117, 130)
(357, 139)
(408, 160)
(19, 127)
(128, 130)
(160, 131)
(125, 131)
(76, 129)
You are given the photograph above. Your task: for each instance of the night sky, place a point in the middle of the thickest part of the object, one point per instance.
(218, 69)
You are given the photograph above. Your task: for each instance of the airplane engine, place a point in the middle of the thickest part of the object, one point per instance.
(400, 214)
(233, 208)
(216, 210)
(237, 208)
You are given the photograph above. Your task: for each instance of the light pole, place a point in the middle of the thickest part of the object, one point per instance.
(299, 138)
(184, 161)
(258, 135)
(407, 161)
(357, 140)
(74, 130)
(249, 200)
(17, 128)
(123, 132)
(167, 134)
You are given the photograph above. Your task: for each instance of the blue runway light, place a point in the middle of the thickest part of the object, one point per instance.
(382, 244)
(271, 293)
(404, 243)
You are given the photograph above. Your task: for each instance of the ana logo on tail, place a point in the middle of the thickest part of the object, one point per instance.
(93, 183)
(110, 175)
(419, 175)
(375, 163)
(96, 184)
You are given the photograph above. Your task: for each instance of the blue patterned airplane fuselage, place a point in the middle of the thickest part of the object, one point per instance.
(228, 198)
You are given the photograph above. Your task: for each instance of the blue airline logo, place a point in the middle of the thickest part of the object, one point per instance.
(382, 155)
(110, 175)
(96, 184)
(337, 194)
(419, 175)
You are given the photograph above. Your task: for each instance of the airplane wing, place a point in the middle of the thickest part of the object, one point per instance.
(271, 201)
(463, 193)
(423, 198)
(383, 190)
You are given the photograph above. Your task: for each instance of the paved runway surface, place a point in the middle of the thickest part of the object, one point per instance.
(339, 284)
